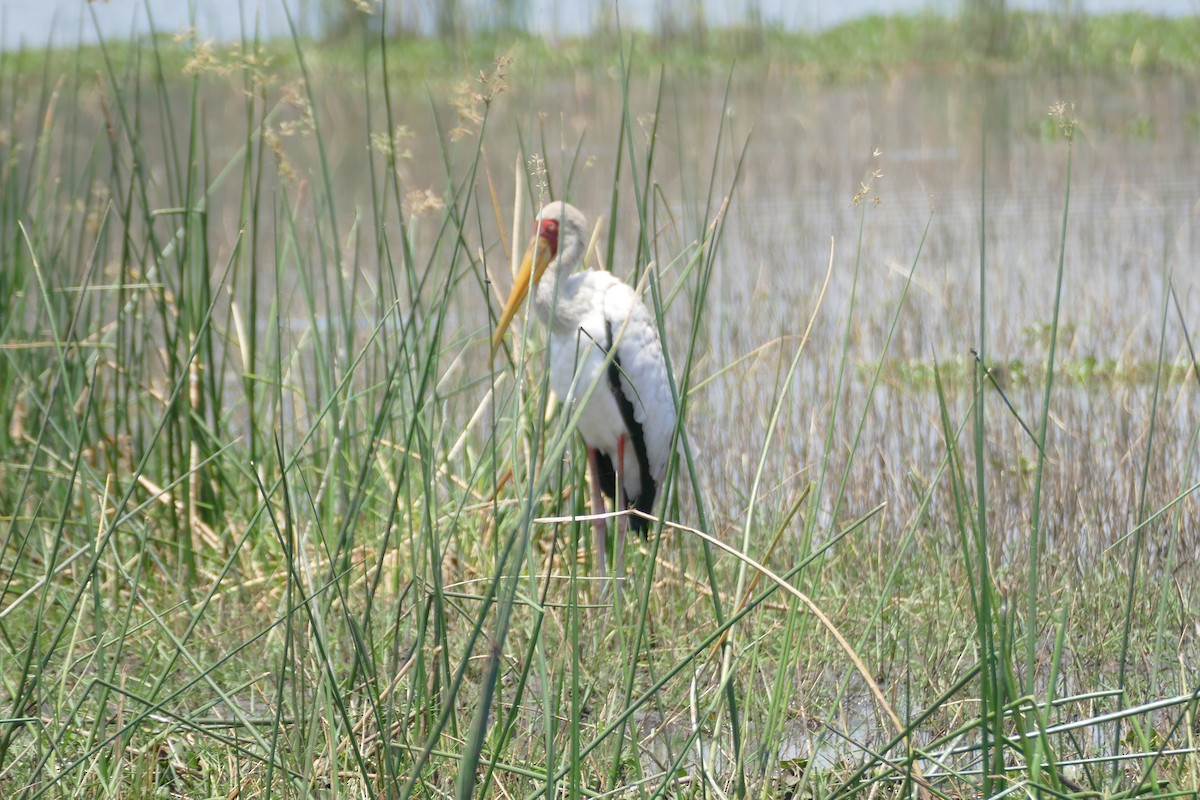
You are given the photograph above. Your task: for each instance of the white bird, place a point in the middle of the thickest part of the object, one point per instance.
(628, 419)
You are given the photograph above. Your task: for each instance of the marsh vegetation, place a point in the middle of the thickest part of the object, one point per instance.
(275, 524)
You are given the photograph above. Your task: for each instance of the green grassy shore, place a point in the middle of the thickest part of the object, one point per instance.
(1022, 42)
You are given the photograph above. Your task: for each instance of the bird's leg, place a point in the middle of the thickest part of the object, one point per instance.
(599, 527)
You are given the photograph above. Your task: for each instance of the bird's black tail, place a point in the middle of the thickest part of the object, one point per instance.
(645, 504)
(607, 474)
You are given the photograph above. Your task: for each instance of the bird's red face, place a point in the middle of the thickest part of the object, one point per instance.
(547, 229)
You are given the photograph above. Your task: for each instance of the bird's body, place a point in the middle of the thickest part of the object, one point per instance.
(631, 399)
(627, 419)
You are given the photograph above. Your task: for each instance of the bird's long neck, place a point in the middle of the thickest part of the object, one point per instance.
(552, 296)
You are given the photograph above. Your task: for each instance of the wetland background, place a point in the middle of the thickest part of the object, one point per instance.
(269, 530)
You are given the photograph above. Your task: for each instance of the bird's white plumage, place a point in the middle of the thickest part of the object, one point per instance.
(590, 310)
(578, 360)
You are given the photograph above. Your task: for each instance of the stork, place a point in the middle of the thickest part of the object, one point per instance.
(628, 419)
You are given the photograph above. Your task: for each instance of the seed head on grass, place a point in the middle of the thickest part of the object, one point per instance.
(422, 201)
(303, 124)
(470, 101)
(394, 146)
(295, 95)
(203, 59)
(469, 114)
(496, 81)
(537, 172)
(274, 140)
(865, 188)
(1061, 113)
(253, 64)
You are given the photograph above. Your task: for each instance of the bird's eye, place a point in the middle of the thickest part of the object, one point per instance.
(552, 226)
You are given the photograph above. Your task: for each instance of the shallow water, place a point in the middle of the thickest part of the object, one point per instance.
(1132, 223)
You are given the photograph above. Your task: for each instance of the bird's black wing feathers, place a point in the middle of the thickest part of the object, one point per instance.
(644, 502)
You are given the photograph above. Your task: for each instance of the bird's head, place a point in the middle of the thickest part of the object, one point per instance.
(558, 237)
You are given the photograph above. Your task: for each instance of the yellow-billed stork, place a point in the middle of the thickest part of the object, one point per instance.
(628, 419)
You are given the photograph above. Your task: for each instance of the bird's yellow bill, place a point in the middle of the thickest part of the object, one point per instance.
(537, 258)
